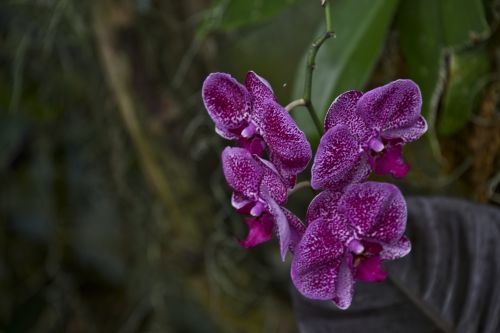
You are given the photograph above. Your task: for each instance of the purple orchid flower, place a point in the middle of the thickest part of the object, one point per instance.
(259, 191)
(251, 115)
(348, 235)
(366, 132)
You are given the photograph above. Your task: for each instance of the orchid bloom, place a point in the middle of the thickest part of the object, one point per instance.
(365, 132)
(348, 235)
(251, 115)
(259, 191)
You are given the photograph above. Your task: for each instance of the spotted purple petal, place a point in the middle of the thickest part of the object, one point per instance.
(272, 182)
(281, 222)
(227, 102)
(344, 287)
(343, 111)
(239, 201)
(297, 229)
(391, 162)
(338, 160)
(376, 211)
(396, 250)
(407, 134)
(260, 230)
(243, 173)
(258, 87)
(319, 259)
(323, 206)
(392, 106)
(288, 147)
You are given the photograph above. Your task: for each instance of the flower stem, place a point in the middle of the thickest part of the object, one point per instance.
(299, 186)
(294, 104)
(328, 17)
(311, 62)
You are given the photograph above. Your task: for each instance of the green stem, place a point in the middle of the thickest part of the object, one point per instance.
(311, 63)
(299, 186)
(294, 104)
(328, 17)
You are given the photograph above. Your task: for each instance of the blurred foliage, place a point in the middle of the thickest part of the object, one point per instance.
(228, 15)
(469, 72)
(114, 213)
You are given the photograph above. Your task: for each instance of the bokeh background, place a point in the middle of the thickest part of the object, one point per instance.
(114, 214)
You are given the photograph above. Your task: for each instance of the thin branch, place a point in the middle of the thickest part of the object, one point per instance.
(299, 186)
(311, 63)
(328, 16)
(294, 104)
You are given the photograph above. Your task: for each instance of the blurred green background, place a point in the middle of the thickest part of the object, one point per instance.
(114, 214)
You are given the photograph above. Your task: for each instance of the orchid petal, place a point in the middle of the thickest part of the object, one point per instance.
(260, 231)
(392, 106)
(289, 149)
(323, 206)
(338, 161)
(318, 259)
(239, 201)
(344, 287)
(343, 111)
(282, 227)
(376, 211)
(297, 229)
(407, 134)
(391, 162)
(227, 133)
(243, 173)
(242, 204)
(258, 87)
(273, 183)
(396, 250)
(227, 102)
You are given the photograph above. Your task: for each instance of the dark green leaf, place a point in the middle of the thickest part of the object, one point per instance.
(426, 27)
(468, 73)
(421, 41)
(346, 62)
(463, 21)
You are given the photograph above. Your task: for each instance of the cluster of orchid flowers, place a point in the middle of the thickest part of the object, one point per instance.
(352, 224)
